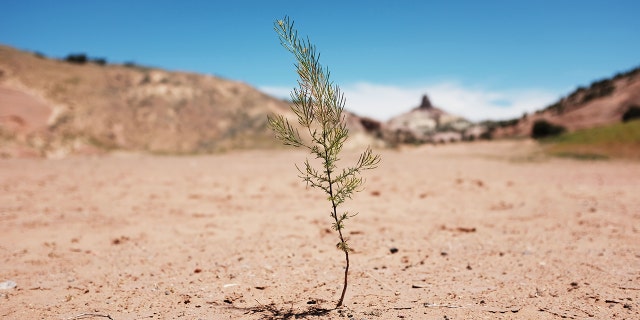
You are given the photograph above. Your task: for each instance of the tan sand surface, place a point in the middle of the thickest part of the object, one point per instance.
(482, 231)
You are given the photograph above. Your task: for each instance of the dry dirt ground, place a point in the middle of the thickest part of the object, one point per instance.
(482, 231)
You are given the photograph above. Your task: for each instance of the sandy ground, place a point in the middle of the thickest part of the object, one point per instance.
(482, 231)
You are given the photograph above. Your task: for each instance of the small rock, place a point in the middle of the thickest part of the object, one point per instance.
(8, 285)
(393, 250)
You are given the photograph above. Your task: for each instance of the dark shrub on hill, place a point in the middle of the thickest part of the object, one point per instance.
(487, 135)
(79, 58)
(99, 61)
(632, 113)
(543, 129)
(599, 89)
(557, 107)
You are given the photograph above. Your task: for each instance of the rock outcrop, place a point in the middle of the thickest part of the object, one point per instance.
(427, 124)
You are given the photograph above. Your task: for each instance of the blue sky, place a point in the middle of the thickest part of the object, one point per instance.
(479, 59)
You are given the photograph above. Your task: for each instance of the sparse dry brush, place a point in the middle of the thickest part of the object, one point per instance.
(319, 106)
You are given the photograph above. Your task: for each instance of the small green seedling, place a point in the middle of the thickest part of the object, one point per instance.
(319, 104)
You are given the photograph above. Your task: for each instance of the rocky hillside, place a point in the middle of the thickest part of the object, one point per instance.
(602, 103)
(53, 108)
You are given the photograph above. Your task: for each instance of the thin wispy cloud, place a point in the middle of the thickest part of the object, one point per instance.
(383, 102)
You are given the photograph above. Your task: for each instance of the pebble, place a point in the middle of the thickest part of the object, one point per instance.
(8, 285)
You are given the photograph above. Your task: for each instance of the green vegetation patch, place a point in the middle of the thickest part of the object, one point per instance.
(620, 140)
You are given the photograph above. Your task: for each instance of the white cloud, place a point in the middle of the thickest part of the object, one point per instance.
(278, 92)
(385, 101)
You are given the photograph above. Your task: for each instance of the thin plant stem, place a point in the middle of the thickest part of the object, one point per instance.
(344, 248)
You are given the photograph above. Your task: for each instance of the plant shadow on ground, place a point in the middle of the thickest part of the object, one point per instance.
(272, 311)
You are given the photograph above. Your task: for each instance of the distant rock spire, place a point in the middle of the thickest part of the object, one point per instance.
(426, 104)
